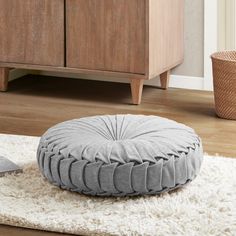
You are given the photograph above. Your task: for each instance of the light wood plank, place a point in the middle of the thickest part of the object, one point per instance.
(73, 70)
(32, 32)
(136, 90)
(165, 79)
(4, 77)
(166, 35)
(70, 98)
(106, 35)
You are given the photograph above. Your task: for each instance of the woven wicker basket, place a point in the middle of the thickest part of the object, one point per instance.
(224, 74)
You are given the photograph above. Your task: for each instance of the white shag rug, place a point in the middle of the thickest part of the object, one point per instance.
(207, 206)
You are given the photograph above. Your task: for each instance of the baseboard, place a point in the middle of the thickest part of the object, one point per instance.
(187, 82)
(176, 81)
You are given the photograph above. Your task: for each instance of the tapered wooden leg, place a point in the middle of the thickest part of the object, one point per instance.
(137, 90)
(4, 76)
(165, 78)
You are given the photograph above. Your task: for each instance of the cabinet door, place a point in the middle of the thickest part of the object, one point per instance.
(32, 32)
(106, 35)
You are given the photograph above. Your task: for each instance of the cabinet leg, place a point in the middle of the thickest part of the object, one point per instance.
(165, 78)
(137, 90)
(4, 76)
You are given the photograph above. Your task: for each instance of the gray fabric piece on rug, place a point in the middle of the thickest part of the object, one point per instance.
(120, 155)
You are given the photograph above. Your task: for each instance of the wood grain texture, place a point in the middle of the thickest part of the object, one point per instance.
(32, 32)
(106, 35)
(73, 70)
(165, 79)
(51, 100)
(4, 77)
(166, 35)
(136, 90)
(129, 39)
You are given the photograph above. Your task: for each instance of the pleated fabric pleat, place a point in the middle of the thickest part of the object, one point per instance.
(122, 155)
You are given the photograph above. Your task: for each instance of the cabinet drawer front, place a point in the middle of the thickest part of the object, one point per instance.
(32, 32)
(106, 35)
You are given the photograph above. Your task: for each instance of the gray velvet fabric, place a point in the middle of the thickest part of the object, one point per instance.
(120, 155)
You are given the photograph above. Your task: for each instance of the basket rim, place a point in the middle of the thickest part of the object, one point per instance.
(220, 56)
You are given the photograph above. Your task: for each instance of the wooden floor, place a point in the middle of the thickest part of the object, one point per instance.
(33, 104)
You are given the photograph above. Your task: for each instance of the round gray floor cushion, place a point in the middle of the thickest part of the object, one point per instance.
(120, 155)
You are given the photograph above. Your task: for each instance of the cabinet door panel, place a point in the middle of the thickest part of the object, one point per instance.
(32, 32)
(106, 35)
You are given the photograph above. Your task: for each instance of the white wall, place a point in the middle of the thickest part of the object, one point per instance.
(226, 25)
(194, 40)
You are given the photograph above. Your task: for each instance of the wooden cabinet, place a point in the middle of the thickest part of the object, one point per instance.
(132, 39)
(106, 35)
(32, 32)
